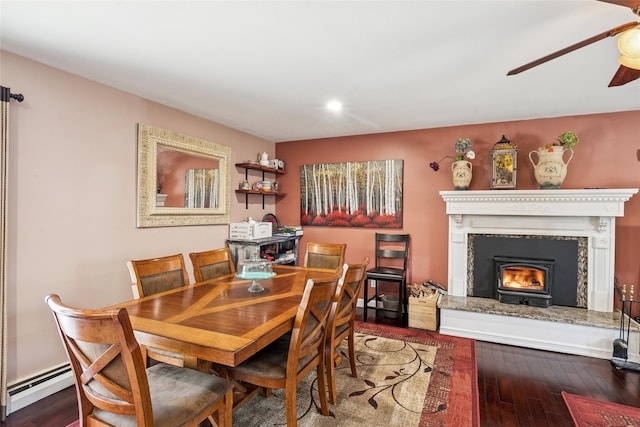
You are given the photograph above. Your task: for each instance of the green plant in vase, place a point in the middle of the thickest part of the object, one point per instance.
(567, 140)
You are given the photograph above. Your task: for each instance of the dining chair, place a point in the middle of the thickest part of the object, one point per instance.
(325, 255)
(391, 260)
(211, 264)
(341, 323)
(288, 360)
(154, 275)
(113, 387)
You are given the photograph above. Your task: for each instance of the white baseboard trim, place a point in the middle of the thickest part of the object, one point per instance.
(26, 391)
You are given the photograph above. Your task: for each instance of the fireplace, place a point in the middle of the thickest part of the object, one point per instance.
(525, 281)
(581, 319)
(554, 214)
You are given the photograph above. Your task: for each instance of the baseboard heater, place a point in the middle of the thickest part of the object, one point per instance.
(29, 390)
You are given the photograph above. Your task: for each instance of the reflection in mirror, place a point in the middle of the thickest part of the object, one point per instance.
(186, 180)
(181, 180)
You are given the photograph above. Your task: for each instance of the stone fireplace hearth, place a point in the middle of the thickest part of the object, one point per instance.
(584, 214)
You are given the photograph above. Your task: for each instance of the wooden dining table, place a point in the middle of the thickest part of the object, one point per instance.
(219, 321)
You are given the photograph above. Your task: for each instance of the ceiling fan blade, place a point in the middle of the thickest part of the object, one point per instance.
(624, 75)
(631, 4)
(610, 33)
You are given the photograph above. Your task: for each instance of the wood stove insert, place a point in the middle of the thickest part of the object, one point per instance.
(525, 281)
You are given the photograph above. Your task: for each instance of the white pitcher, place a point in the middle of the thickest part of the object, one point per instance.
(264, 159)
(551, 169)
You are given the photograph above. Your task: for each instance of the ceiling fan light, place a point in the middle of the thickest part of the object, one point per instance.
(630, 62)
(629, 42)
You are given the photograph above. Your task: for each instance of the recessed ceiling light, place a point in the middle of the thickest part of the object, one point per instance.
(334, 106)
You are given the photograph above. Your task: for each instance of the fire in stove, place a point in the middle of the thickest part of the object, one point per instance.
(524, 281)
(522, 277)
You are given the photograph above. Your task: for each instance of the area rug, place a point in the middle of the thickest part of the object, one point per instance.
(406, 377)
(587, 412)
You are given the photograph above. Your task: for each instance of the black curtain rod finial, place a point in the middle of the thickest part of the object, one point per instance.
(6, 95)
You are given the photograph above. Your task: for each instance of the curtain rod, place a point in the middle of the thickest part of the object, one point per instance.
(7, 95)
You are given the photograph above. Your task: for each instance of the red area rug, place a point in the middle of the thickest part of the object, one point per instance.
(587, 412)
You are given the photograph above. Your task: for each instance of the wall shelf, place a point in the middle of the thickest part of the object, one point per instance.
(264, 169)
(257, 167)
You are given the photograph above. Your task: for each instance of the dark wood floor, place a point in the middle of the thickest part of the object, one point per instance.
(518, 387)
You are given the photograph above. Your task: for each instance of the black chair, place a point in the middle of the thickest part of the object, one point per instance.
(392, 255)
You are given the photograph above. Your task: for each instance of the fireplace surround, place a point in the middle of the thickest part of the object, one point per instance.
(587, 214)
(568, 254)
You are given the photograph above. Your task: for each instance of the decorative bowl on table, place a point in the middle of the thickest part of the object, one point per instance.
(255, 269)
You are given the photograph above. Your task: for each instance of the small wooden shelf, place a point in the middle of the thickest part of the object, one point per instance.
(264, 169)
(257, 167)
(264, 193)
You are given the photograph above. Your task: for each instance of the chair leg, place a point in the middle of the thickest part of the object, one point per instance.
(322, 388)
(352, 353)
(366, 297)
(404, 307)
(290, 402)
(225, 413)
(331, 372)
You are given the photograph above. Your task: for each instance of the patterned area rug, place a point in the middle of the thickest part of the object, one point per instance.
(406, 377)
(588, 412)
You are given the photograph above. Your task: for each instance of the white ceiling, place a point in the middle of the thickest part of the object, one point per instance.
(268, 67)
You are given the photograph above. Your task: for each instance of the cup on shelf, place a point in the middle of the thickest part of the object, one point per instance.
(266, 185)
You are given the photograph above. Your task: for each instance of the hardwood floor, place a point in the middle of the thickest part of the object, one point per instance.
(518, 387)
(521, 387)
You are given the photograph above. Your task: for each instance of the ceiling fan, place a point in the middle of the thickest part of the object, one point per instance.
(629, 69)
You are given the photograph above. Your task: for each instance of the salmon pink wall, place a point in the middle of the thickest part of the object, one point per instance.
(606, 156)
(72, 200)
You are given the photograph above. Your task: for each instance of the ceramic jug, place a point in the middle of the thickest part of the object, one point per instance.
(264, 159)
(551, 169)
(462, 174)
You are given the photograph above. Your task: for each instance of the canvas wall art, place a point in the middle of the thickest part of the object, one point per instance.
(355, 194)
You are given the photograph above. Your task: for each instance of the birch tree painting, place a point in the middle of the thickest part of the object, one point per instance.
(356, 194)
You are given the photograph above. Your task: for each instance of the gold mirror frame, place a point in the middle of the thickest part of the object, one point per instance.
(151, 215)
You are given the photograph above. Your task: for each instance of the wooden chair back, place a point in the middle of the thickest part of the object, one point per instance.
(344, 312)
(151, 276)
(113, 386)
(341, 323)
(211, 264)
(325, 255)
(308, 336)
(107, 362)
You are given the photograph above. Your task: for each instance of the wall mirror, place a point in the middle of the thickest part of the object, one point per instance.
(181, 180)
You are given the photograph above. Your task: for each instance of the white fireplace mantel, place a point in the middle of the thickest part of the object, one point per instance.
(586, 213)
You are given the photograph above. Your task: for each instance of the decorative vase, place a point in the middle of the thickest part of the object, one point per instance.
(264, 159)
(551, 169)
(461, 171)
